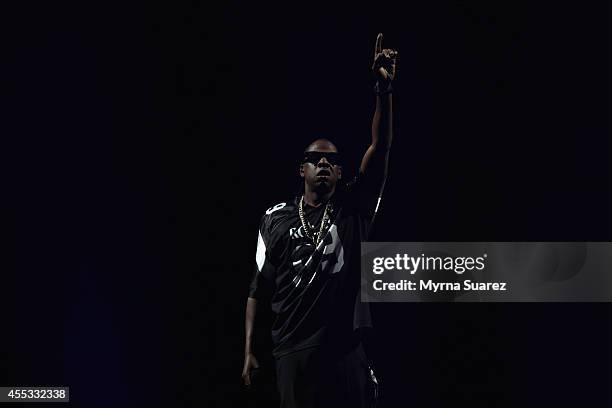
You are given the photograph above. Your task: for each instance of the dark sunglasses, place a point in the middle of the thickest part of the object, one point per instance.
(315, 157)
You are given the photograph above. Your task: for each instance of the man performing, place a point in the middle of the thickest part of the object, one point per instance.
(308, 266)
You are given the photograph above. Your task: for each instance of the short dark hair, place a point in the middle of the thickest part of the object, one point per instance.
(321, 139)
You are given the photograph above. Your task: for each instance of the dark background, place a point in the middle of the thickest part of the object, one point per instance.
(143, 141)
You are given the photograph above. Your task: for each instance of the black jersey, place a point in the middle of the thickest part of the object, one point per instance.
(314, 291)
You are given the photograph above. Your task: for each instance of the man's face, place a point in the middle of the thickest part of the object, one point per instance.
(320, 168)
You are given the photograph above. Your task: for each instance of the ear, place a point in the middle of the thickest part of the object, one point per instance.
(302, 170)
(339, 173)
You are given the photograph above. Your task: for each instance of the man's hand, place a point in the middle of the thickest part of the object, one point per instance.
(383, 67)
(250, 362)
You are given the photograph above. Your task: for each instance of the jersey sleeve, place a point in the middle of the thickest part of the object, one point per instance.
(263, 274)
(363, 194)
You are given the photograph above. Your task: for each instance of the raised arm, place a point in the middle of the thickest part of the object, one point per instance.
(375, 160)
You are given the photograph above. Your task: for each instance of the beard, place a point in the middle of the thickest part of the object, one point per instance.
(323, 186)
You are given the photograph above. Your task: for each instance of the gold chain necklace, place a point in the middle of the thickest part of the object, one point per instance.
(309, 229)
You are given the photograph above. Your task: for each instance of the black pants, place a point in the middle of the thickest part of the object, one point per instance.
(313, 378)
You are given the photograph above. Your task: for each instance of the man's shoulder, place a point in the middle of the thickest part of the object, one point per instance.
(277, 219)
(279, 211)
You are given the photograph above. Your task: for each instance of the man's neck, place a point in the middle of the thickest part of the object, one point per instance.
(316, 198)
